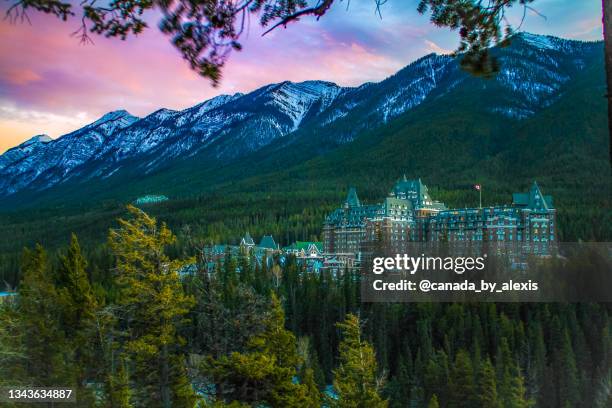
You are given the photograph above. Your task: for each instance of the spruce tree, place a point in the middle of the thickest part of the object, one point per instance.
(47, 351)
(118, 392)
(356, 380)
(313, 395)
(512, 392)
(399, 386)
(462, 381)
(515, 398)
(486, 388)
(79, 306)
(264, 374)
(566, 372)
(436, 376)
(433, 402)
(154, 306)
(12, 357)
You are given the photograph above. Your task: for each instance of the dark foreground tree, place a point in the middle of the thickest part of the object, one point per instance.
(264, 374)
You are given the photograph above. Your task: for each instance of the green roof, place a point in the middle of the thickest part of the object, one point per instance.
(533, 200)
(352, 200)
(267, 242)
(416, 192)
(299, 245)
(247, 240)
(304, 245)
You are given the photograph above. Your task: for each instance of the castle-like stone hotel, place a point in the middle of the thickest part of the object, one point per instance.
(408, 214)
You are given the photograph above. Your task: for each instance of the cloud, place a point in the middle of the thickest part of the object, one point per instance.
(19, 77)
(433, 47)
(17, 124)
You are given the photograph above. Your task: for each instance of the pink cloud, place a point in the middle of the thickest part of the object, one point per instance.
(19, 77)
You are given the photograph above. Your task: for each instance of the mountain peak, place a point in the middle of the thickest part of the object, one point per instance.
(551, 43)
(116, 115)
(540, 41)
(311, 86)
(42, 138)
(21, 151)
(213, 103)
(161, 114)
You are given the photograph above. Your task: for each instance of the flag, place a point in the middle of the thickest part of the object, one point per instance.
(477, 187)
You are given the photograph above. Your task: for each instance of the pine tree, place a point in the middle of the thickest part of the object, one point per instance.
(118, 392)
(79, 306)
(356, 380)
(437, 377)
(263, 374)
(565, 368)
(433, 402)
(486, 388)
(45, 346)
(399, 386)
(154, 306)
(512, 392)
(515, 398)
(462, 381)
(12, 357)
(310, 361)
(313, 395)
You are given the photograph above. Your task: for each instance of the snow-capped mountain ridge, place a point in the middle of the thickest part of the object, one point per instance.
(535, 70)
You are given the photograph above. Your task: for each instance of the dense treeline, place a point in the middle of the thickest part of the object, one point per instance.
(127, 327)
(583, 214)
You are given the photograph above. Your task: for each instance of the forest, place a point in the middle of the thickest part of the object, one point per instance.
(126, 326)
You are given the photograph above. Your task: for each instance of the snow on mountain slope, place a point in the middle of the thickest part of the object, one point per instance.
(535, 70)
(296, 100)
(50, 161)
(27, 148)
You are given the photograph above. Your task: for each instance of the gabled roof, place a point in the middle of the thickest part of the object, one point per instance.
(267, 242)
(247, 240)
(219, 248)
(533, 200)
(416, 192)
(305, 245)
(351, 199)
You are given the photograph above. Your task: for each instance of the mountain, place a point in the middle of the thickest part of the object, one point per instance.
(285, 124)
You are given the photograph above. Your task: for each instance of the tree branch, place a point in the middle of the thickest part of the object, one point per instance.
(318, 11)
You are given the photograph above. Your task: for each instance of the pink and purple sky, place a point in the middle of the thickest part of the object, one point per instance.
(49, 83)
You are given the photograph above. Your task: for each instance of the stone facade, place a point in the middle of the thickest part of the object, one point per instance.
(409, 215)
